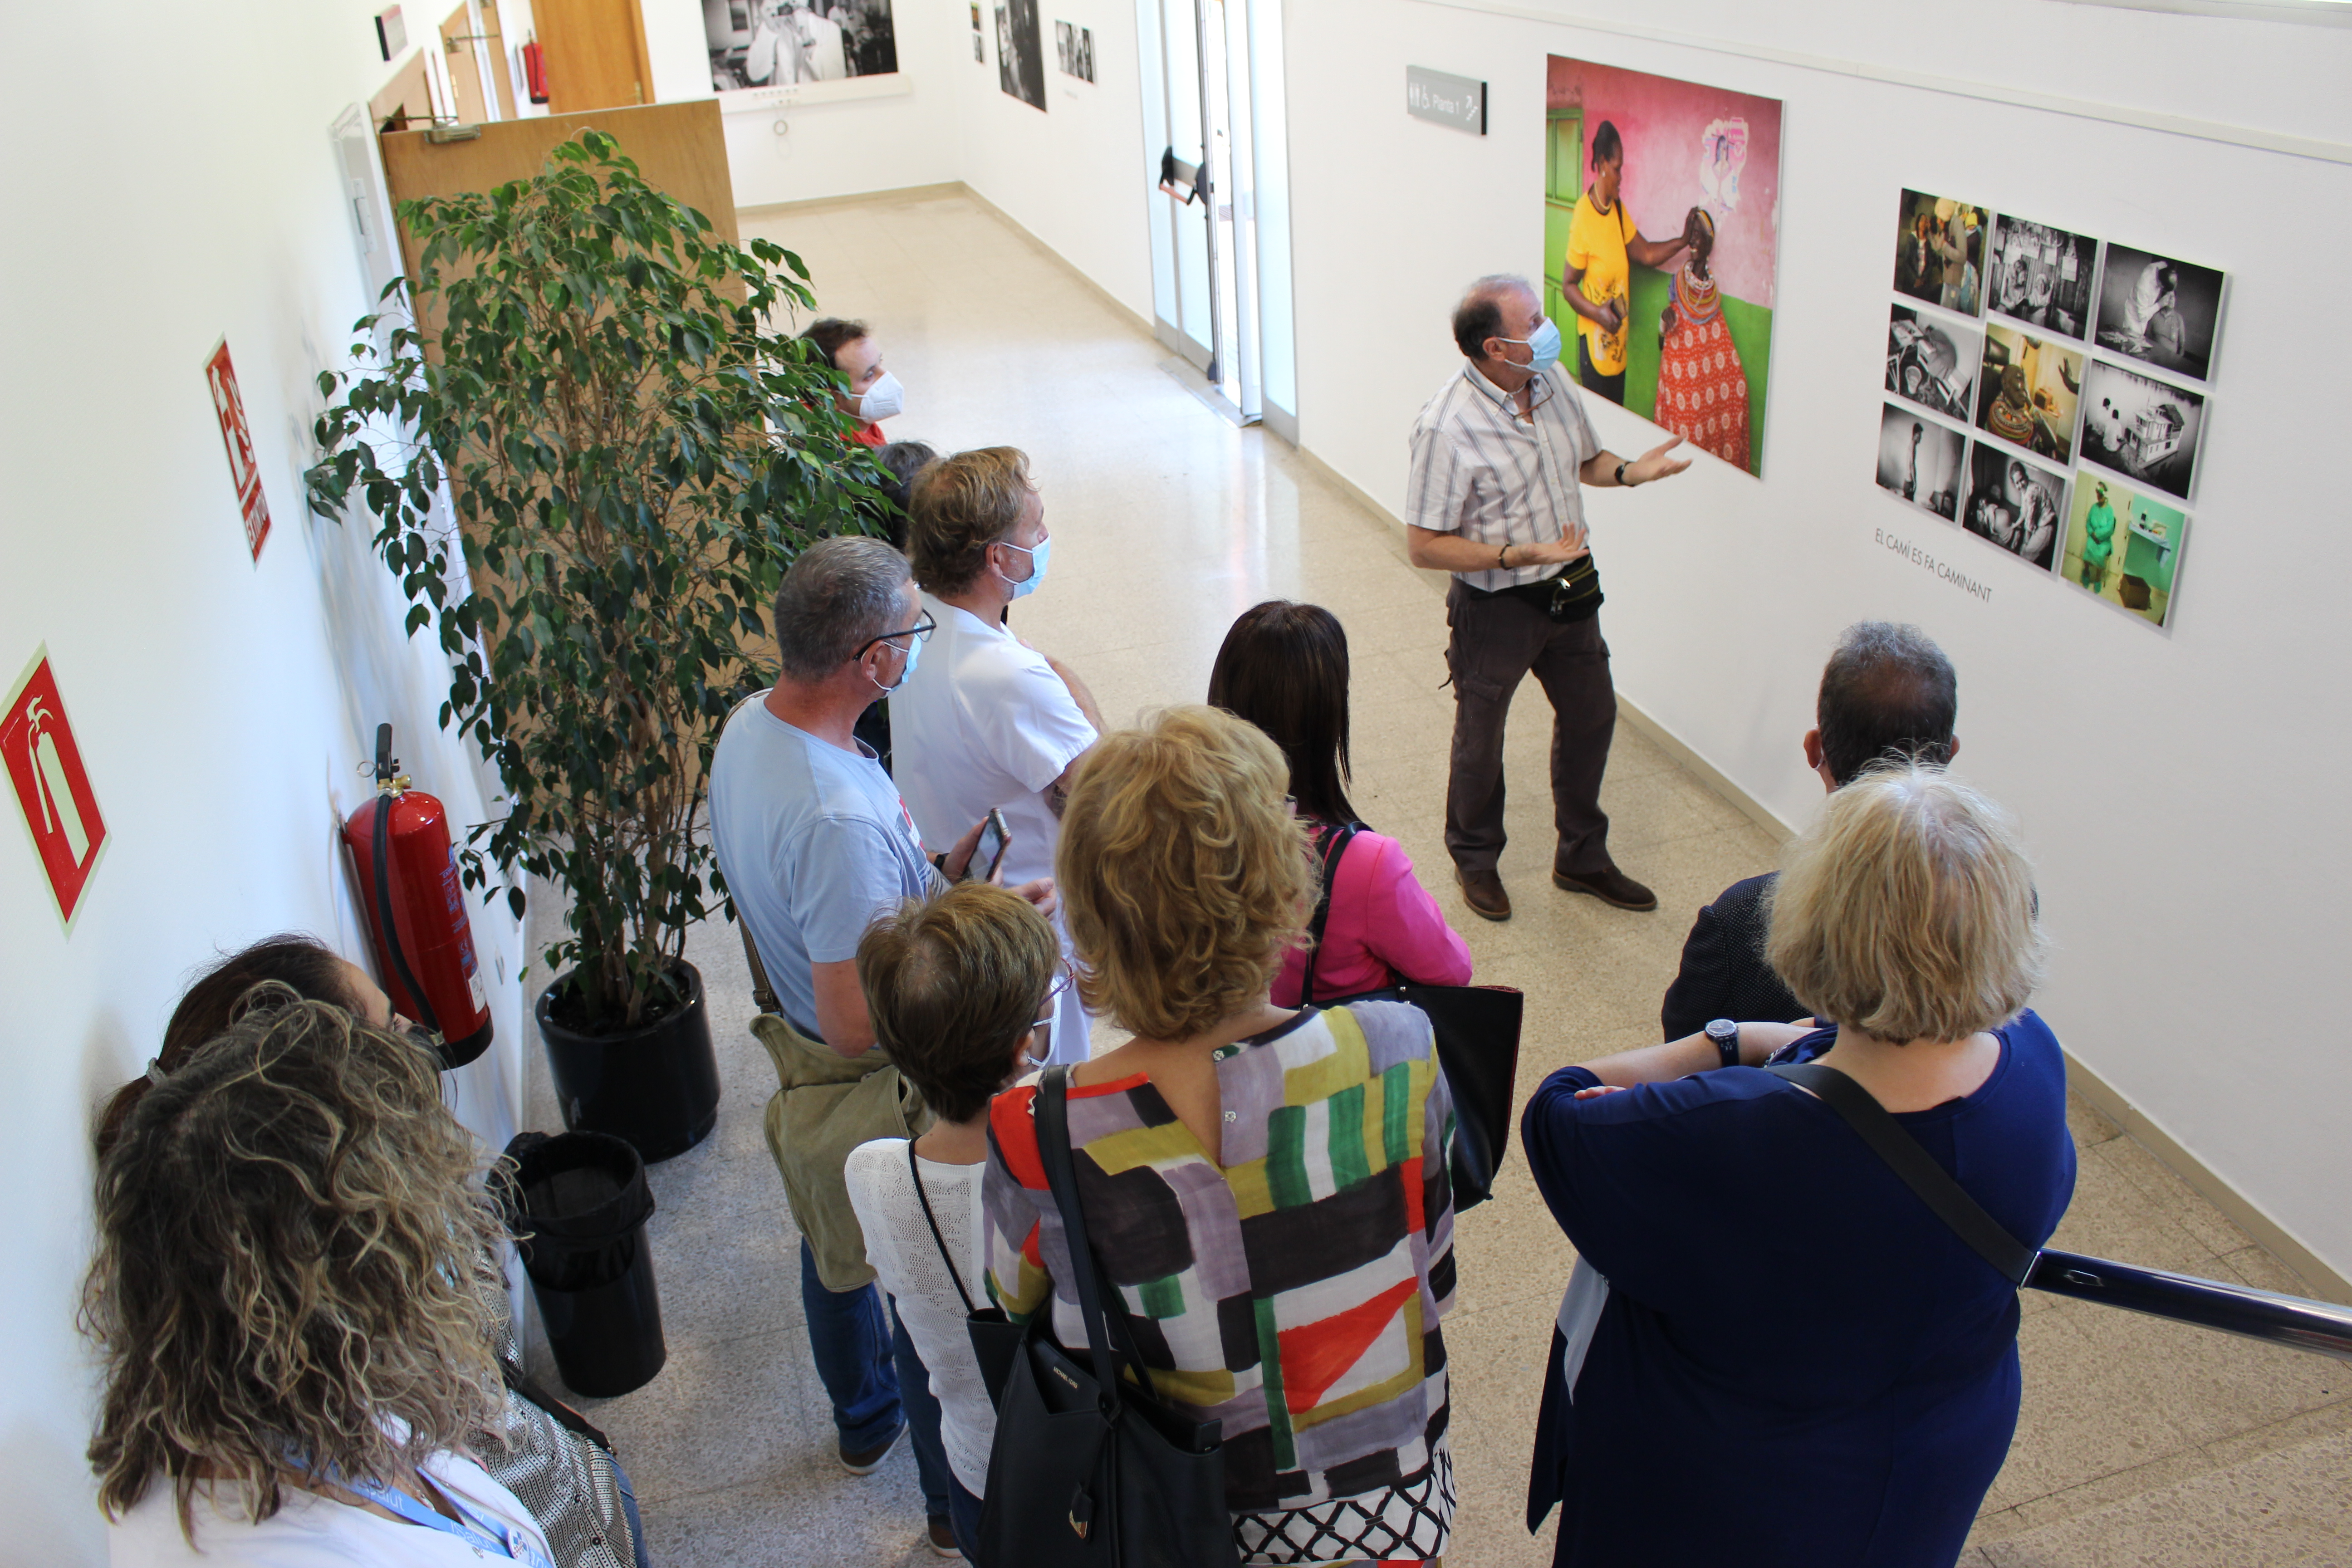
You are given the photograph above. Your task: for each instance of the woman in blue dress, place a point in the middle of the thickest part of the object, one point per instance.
(1774, 1353)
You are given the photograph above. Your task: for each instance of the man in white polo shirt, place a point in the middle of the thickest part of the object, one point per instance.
(986, 721)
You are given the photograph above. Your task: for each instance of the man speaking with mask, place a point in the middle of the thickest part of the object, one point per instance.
(987, 723)
(1493, 497)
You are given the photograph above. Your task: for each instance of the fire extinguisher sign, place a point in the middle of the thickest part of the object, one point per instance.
(52, 786)
(244, 472)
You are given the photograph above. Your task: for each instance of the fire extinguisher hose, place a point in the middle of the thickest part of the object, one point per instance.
(383, 915)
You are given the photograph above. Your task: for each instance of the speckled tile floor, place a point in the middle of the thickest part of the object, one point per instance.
(2141, 1441)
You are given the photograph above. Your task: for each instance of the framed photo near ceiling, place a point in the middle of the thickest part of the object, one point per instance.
(1021, 52)
(1662, 231)
(759, 44)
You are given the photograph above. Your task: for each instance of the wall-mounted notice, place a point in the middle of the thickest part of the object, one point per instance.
(390, 32)
(1455, 101)
(237, 437)
(52, 786)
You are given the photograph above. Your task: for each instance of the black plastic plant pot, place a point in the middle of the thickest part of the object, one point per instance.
(656, 1086)
(579, 1203)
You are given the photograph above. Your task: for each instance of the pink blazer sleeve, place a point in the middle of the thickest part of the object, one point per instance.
(1403, 924)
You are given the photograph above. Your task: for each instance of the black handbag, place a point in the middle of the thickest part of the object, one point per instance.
(1089, 1468)
(995, 1338)
(1477, 1030)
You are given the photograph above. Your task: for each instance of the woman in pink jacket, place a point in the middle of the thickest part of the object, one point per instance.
(1284, 667)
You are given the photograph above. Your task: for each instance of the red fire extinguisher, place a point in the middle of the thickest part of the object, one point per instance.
(534, 71)
(416, 910)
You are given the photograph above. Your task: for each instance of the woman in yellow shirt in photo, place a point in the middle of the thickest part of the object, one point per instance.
(1596, 277)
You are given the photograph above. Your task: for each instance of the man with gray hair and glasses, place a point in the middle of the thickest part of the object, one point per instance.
(814, 841)
(1888, 695)
(1499, 458)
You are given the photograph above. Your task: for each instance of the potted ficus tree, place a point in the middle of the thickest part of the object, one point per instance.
(634, 454)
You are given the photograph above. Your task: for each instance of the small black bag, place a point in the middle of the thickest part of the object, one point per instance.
(1089, 1470)
(995, 1338)
(1477, 1030)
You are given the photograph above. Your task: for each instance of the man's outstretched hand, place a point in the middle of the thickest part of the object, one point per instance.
(1654, 463)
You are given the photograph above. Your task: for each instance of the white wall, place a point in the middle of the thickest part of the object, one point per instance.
(2177, 786)
(222, 705)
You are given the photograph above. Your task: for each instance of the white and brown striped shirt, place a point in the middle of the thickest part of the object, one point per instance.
(1484, 471)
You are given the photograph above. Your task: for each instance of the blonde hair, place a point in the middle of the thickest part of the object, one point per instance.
(957, 507)
(1183, 874)
(290, 1250)
(1908, 910)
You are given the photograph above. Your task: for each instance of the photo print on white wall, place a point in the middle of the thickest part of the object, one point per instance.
(2015, 502)
(778, 43)
(2142, 428)
(2162, 311)
(1919, 461)
(2029, 390)
(1021, 53)
(1932, 360)
(2040, 276)
(1074, 48)
(1939, 248)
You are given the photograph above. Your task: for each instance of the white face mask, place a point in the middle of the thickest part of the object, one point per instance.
(884, 398)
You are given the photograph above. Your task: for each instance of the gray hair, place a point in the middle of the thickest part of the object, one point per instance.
(1480, 314)
(841, 595)
(1888, 694)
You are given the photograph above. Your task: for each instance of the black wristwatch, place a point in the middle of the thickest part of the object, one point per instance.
(1725, 1033)
(1621, 476)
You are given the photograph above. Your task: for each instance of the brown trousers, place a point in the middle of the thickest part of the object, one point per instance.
(1495, 642)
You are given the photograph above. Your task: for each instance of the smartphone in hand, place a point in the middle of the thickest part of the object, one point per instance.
(995, 840)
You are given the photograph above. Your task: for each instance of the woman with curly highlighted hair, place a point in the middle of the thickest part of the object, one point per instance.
(286, 1307)
(1265, 1188)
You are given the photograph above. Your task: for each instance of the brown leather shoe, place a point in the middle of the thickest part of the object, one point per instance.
(1611, 886)
(1483, 891)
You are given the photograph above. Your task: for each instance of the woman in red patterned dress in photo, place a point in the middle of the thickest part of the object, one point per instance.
(1702, 388)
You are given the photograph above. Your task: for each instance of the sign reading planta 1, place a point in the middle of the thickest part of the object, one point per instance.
(635, 457)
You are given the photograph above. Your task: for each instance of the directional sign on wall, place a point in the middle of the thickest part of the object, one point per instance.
(52, 786)
(243, 471)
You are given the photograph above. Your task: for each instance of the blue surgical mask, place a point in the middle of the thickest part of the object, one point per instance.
(914, 656)
(1037, 556)
(1545, 344)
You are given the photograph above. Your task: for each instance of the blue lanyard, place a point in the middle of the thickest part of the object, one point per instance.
(482, 1535)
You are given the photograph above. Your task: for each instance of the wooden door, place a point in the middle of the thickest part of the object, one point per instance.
(596, 54)
(408, 96)
(465, 67)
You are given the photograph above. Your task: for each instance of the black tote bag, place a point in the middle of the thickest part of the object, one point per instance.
(1477, 1030)
(1089, 1470)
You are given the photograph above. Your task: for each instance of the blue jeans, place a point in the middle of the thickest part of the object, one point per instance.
(849, 1336)
(922, 1423)
(629, 1512)
(964, 1512)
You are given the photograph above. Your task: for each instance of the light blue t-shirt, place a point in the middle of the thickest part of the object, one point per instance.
(814, 843)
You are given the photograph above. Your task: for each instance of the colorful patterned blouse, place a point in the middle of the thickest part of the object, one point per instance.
(1294, 1294)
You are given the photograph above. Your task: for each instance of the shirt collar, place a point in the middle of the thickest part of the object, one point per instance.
(1496, 395)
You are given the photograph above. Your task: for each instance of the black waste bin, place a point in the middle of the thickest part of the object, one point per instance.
(580, 1202)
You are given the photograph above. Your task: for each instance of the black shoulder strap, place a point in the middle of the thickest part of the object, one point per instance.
(1918, 1168)
(937, 1240)
(1053, 1112)
(1336, 837)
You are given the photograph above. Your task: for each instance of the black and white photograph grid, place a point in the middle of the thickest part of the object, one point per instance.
(1919, 461)
(1074, 47)
(2165, 312)
(1021, 52)
(2015, 502)
(778, 43)
(2041, 275)
(2141, 427)
(1931, 360)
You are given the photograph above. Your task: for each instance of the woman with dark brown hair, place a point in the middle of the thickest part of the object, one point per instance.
(1284, 667)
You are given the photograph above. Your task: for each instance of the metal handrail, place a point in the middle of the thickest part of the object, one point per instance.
(2321, 1327)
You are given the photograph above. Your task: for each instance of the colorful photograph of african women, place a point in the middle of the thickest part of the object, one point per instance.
(2017, 504)
(776, 43)
(1662, 233)
(2041, 275)
(2142, 428)
(2164, 312)
(2028, 389)
(1021, 52)
(1919, 461)
(1932, 360)
(2122, 545)
(1939, 249)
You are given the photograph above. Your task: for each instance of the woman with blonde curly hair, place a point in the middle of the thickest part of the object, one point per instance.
(285, 1305)
(1265, 1188)
(1774, 1353)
